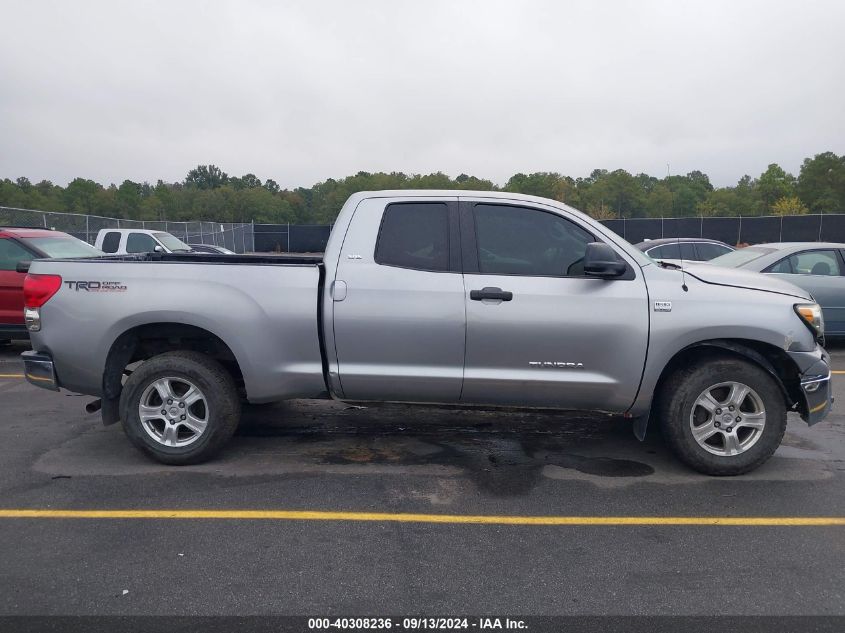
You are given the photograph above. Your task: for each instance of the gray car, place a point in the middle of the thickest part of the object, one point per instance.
(817, 267)
(693, 249)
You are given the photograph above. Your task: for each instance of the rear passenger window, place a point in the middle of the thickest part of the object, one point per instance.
(414, 235)
(708, 251)
(667, 251)
(675, 250)
(688, 251)
(111, 242)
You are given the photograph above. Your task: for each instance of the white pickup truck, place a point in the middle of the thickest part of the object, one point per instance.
(443, 297)
(127, 241)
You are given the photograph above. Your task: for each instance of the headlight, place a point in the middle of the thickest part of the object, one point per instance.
(811, 315)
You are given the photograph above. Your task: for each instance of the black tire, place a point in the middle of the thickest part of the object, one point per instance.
(220, 396)
(676, 405)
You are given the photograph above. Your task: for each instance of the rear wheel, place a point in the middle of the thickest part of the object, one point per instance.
(725, 416)
(180, 407)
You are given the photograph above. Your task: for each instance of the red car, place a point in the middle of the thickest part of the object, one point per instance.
(26, 244)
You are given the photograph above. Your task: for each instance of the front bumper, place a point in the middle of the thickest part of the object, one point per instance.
(816, 391)
(39, 370)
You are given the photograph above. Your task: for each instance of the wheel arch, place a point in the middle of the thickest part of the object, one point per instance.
(771, 358)
(774, 360)
(144, 341)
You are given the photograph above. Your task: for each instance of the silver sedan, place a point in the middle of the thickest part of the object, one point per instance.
(817, 267)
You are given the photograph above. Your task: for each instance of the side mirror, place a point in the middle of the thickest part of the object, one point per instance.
(23, 266)
(158, 248)
(601, 261)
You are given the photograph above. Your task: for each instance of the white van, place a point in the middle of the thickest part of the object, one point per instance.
(123, 241)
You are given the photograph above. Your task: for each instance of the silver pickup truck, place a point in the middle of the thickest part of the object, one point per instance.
(440, 297)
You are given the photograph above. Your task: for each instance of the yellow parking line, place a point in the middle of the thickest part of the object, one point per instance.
(316, 515)
(837, 371)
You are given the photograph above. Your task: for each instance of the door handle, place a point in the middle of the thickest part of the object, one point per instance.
(490, 293)
(338, 289)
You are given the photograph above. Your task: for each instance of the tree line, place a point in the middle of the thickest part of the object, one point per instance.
(208, 193)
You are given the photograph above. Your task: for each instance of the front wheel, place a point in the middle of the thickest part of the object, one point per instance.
(180, 407)
(724, 416)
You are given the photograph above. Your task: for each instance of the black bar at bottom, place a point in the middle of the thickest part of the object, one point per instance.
(534, 624)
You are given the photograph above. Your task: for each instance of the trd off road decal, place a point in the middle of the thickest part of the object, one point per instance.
(96, 286)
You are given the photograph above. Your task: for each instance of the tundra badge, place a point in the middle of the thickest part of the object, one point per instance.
(559, 364)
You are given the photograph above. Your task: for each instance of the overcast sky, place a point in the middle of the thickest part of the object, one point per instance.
(303, 91)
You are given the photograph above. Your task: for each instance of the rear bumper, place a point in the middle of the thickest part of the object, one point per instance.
(39, 370)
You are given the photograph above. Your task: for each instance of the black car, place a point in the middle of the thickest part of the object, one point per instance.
(690, 248)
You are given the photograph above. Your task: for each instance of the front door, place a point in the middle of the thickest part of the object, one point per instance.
(539, 332)
(398, 301)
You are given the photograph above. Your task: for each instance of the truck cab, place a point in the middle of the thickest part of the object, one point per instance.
(128, 241)
(479, 298)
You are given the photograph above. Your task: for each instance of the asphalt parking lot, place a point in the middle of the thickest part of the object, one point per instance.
(351, 463)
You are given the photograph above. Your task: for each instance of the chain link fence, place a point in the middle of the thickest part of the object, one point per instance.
(299, 238)
(235, 237)
(735, 230)
(312, 238)
(291, 238)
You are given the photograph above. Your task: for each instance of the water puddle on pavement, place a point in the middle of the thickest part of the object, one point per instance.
(502, 453)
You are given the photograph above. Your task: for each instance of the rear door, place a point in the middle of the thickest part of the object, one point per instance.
(398, 302)
(539, 332)
(11, 282)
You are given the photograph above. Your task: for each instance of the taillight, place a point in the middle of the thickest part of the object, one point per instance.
(39, 289)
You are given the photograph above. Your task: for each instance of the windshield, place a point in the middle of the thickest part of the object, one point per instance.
(741, 256)
(171, 243)
(65, 246)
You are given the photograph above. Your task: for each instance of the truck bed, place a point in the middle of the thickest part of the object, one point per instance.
(264, 308)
